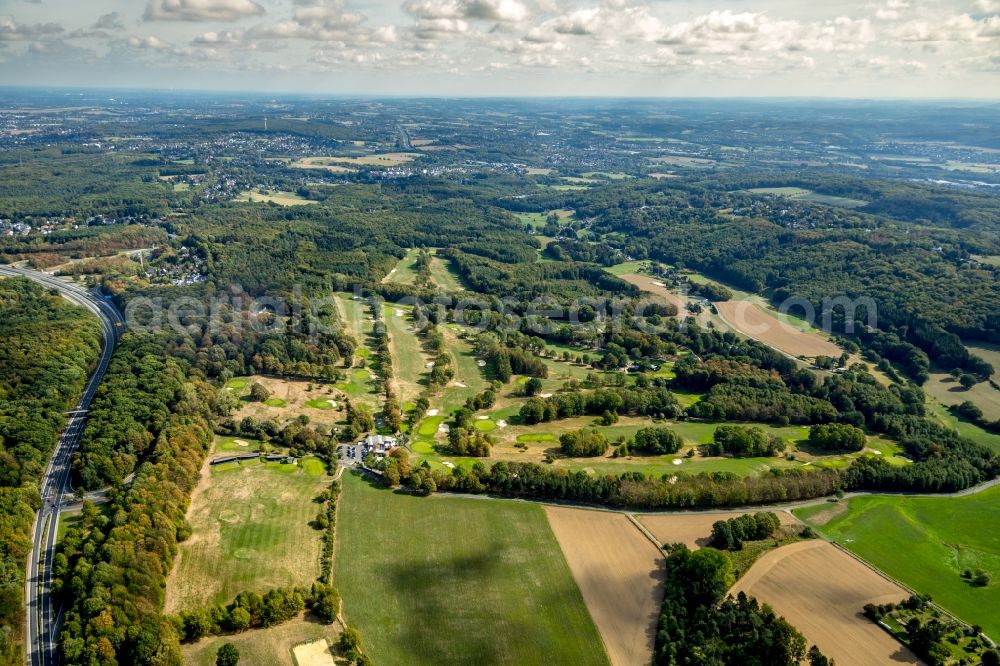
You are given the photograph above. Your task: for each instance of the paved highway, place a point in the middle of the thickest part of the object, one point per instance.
(42, 613)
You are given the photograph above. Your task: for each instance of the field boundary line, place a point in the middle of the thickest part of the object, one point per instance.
(645, 532)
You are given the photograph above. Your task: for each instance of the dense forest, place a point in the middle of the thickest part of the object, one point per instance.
(47, 349)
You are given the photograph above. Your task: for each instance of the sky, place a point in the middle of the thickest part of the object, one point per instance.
(677, 48)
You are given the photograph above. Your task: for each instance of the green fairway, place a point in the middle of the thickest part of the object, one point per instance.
(469, 380)
(926, 543)
(405, 270)
(355, 315)
(409, 363)
(444, 580)
(251, 531)
(444, 276)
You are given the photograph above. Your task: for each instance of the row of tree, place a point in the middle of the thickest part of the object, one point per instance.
(47, 349)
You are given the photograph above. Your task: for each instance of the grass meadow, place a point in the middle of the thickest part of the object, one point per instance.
(251, 531)
(445, 580)
(926, 543)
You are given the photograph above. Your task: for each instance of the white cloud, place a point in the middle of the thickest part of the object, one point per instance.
(321, 21)
(201, 10)
(504, 11)
(12, 31)
(150, 43)
(227, 37)
(609, 23)
(110, 21)
(962, 28)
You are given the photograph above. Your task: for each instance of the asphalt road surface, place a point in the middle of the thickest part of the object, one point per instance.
(41, 637)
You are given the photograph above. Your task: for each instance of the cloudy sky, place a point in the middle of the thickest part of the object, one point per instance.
(848, 48)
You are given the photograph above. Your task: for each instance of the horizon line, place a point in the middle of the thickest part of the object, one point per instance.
(380, 95)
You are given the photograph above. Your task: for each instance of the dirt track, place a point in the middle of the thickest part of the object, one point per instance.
(620, 573)
(751, 320)
(694, 529)
(821, 591)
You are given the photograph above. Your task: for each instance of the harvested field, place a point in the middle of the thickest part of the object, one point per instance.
(620, 573)
(325, 163)
(649, 284)
(754, 322)
(278, 197)
(694, 529)
(822, 591)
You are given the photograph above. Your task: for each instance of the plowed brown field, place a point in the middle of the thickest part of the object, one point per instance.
(751, 320)
(822, 590)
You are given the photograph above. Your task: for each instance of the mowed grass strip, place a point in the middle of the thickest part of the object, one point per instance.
(446, 580)
(444, 276)
(409, 363)
(251, 531)
(926, 543)
(405, 271)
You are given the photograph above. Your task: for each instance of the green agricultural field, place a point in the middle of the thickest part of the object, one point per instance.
(251, 531)
(926, 543)
(443, 580)
(610, 175)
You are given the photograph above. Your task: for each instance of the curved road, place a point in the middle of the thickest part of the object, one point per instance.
(42, 615)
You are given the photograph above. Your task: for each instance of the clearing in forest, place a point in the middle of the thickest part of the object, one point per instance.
(822, 591)
(948, 391)
(450, 580)
(620, 573)
(322, 403)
